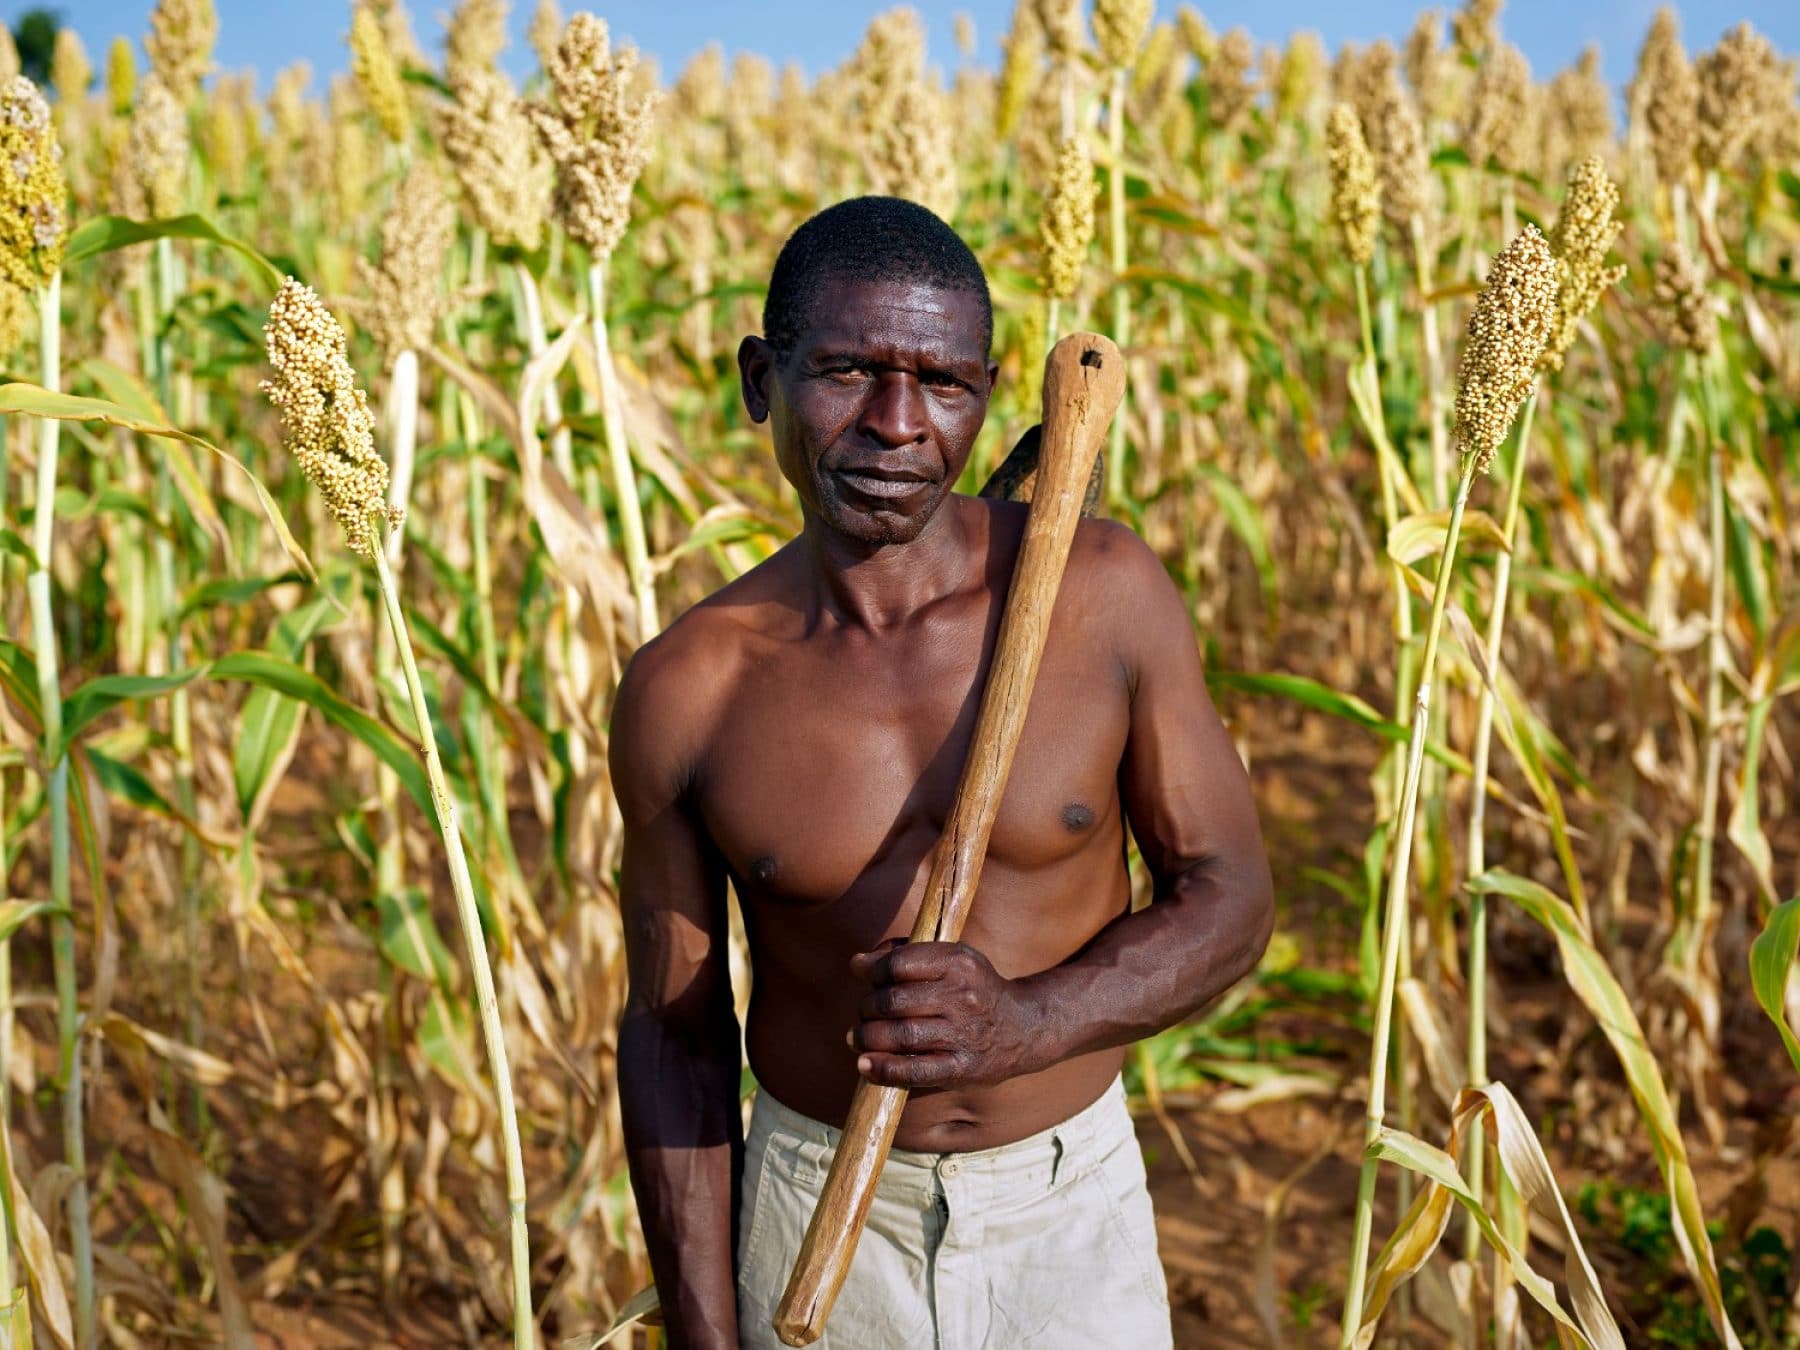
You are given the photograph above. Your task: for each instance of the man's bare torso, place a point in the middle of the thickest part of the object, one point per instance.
(826, 758)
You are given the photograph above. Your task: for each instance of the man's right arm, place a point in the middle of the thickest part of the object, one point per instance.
(678, 1041)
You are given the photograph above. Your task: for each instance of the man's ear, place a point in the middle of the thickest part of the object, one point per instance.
(756, 367)
(993, 374)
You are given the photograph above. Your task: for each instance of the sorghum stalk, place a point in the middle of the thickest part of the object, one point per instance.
(631, 511)
(68, 1011)
(531, 307)
(1119, 30)
(330, 431)
(1477, 848)
(1717, 658)
(596, 130)
(1115, 201)
(1506, 337)
(180, 711)
(470, 916)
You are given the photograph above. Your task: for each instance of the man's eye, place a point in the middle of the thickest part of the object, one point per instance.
(847, 371)
(940, 379)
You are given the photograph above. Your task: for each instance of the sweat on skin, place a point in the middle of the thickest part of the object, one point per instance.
(800, 734)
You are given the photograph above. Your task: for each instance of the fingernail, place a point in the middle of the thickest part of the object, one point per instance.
(850, 1038)
(864, 1064)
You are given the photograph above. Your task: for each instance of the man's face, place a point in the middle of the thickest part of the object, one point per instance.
(875, 411)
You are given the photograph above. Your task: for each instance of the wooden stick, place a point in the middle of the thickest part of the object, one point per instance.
(1084, 380)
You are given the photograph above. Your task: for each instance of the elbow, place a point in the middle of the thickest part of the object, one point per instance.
(1258, 922)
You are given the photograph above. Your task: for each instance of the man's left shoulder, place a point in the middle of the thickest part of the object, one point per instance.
(1111, 563)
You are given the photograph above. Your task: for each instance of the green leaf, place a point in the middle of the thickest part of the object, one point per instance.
(1745, 826)
(287, 678)
(1771, 963)
(15, 914)
(1595, 985)
(1246, 522)
(102, 694)
(36, 401)
(409, 937)
(268, 725)
(133, 395)
(103, 234)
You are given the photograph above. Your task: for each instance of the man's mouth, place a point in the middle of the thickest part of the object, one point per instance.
(886, 484)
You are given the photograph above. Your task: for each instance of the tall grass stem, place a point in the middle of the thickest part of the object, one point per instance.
(469, 916)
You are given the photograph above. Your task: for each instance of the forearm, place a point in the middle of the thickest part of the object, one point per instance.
(1150, 969)
(684, 1144)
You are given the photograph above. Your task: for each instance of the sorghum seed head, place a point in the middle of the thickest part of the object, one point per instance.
(180, 44)
(404, 295)
(9, 54)
(1742, 86)
(504, 175)
(545, 31)
(1299, 75)
(1474, 27)
(1196, 34)
(158, 147)
(1068, 219)
(1581, 238)
(15, 318)
(121, 76)
(476, 36)
(1686, 313)
(70, 70)
(1230, 83)
(595, 127)
(901, 121)
(1398, 143)
(1060, 21)
(963, 28)
(1119, 29)
(1499, 125)
(1507, 330)
(33, 193)
(1427, 64)
(378, 74)
(1024, 54)
(1355, 196)
(1670, 99)
(1581, 107)
(330, 430)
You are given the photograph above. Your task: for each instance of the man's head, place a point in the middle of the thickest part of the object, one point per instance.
(874, 370)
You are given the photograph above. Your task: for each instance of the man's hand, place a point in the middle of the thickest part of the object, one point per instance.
(940, 1016)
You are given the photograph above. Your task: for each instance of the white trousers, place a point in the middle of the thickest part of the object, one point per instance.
(1046, 1243)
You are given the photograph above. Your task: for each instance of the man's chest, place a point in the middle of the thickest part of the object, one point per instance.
(835, 769)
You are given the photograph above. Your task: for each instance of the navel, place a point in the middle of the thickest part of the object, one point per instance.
(763, 870)
(1077, 817)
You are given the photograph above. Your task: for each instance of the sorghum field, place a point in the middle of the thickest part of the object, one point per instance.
(1462, 406)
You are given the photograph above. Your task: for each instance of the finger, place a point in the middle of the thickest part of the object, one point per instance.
(923, 999)
(914, 961)
(909, 1071)
(904, 1036)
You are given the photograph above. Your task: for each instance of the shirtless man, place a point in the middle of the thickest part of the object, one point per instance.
(799, 735)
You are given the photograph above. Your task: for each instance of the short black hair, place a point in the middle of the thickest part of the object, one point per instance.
(870, 239)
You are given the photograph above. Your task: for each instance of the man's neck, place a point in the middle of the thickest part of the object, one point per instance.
(880, 586)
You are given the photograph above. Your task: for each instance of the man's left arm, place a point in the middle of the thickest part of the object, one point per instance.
(1187, 798)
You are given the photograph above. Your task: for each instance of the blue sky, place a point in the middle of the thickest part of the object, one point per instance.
(265, 35)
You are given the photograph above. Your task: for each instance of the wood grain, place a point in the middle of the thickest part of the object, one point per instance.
(1084, 379)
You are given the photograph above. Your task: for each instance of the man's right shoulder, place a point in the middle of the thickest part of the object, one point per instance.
(676, 686)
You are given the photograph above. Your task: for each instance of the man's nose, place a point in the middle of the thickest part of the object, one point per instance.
(895, 412)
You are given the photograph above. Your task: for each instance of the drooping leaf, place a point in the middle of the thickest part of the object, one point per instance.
(36, 401)
(103, 234)
(103, 693)
(287, 678)
(410, 939)
(1772, 965)
(1594, 984)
